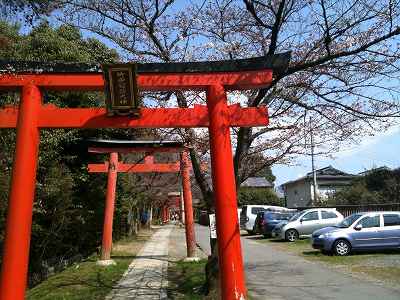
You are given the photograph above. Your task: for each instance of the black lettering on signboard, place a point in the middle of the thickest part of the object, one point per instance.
(121, 89)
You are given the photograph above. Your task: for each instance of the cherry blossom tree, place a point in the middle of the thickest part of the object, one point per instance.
(342, 79)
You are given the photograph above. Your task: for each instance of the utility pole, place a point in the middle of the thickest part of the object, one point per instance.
(315, 186)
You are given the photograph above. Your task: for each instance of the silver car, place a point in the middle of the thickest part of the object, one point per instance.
(304, 223)
(360, 231)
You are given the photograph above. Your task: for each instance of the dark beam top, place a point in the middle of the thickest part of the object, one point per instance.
(92, 142)
(278, 63)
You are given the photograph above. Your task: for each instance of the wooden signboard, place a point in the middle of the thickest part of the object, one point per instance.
(121, 90)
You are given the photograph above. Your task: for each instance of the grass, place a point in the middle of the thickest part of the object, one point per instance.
(382, 266)
(386, 274)
(186, 280)
(86, 280)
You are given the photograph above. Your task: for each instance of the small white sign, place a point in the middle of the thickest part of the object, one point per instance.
(213, 228)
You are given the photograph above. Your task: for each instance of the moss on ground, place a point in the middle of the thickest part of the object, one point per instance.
(86, 280)
(186, 280)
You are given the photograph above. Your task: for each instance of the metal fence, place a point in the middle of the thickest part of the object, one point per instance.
(347, 210)
(52, 266)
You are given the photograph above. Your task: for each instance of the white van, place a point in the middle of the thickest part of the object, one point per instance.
(249, 213)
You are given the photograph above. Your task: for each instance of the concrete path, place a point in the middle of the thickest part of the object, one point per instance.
(273, 274)
(146, 277)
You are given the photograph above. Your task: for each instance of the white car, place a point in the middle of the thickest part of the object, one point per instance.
(304, 223)
(249, 213)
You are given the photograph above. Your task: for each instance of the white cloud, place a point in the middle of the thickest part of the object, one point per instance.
(368, 142)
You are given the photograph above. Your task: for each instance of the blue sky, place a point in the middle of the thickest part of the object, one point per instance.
(380, 150)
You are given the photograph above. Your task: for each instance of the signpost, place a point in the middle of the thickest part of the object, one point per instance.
(213, 226)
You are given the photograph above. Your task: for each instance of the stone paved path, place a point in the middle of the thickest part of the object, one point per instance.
(146, 277)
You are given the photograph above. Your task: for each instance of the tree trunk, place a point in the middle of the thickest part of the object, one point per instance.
(242, 148)
(137, 220)
(212, 269)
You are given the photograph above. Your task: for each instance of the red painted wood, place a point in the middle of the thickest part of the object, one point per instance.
(53, 117)
(223, 178)
(149, 159)
(144, 168)
(109, 207)
(98, 168)
(188, 209)
(165, 214)
(134, 149)
(146, 82)
(14, 267)
(136, 168)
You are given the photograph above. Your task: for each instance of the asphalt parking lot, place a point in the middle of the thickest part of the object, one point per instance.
(376, 266)
(273, 273)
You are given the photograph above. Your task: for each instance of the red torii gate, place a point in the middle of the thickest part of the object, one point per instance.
(212, 77)
(113, 167)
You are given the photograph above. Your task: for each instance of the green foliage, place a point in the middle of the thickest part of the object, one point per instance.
(45, 43)
(186, 280)
(377, 186)
(249, 196)
(266, 172)
(86, 280)
(81, 281)
(69, 203)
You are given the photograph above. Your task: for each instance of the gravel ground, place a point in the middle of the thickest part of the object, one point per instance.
(177, 245)
(131, 244)
(377, 267)
(179, 277)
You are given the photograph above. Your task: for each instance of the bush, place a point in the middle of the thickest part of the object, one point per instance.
(265, 196)
(379, 186)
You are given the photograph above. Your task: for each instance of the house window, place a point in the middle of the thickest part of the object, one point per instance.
(326, 191)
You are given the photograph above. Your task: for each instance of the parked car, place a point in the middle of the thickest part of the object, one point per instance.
(266, 221)
(360, 231)
(304, 223)
(249, 214)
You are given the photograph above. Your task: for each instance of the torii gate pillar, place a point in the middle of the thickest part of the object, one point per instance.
(105, 256)
(22, 193)
(187, 199)
(223, 178)
(165, 213)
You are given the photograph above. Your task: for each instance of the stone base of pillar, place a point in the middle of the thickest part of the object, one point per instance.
(106, 262)
(192, 259)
